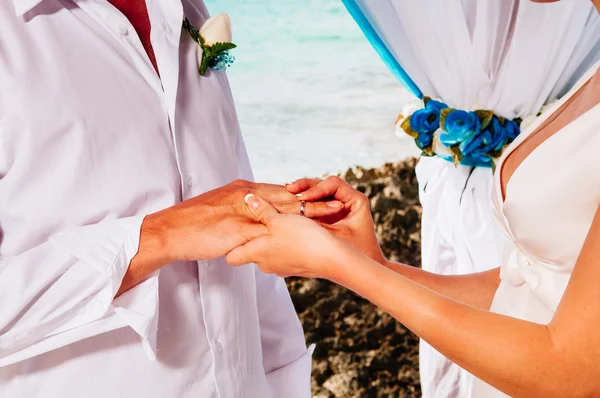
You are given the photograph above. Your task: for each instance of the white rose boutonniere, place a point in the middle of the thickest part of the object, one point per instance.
(214, 43)
(217, 30)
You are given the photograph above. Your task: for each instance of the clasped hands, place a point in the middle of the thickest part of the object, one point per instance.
(260, 223)
(337, 219)
(311, 246)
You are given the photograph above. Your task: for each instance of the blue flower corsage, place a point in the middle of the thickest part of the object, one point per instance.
(214, 43)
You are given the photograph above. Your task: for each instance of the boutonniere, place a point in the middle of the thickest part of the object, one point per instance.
(214, 43)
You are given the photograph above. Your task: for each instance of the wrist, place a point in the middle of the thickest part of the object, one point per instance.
(151, 255)
(379, 257)
(155, 246)
(339, 258)
(355, 270)
(387, 263)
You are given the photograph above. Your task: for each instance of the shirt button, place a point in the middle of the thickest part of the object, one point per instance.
(122, 29)
(189, 180)
(218, 346)
(166, 27)
(205, 264)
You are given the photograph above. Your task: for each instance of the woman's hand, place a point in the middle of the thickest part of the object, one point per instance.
(355, 224)
(209, 226)
(293, 245)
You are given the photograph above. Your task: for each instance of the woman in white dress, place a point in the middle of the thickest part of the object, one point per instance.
(526, 329)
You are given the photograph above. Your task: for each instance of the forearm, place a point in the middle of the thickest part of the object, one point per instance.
(501, 350)
(208, 226)
(476, 290)
(152, 253)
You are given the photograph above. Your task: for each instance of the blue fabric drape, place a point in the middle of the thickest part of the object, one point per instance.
(381, 48)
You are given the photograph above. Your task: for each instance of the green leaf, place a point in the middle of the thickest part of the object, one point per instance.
(457, 155)
(406, 127)
(426, 100)
(219, 48)
(208, 53)
(195, 33)
(428, 151)
(493, 166)
(443, 115)
(485, 117)
(495, 154)
(187, 25)
(204, 64)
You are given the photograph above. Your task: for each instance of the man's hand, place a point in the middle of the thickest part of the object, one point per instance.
(354, 224)
(209, 226)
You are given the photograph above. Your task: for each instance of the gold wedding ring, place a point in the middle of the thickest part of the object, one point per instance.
(303, 208)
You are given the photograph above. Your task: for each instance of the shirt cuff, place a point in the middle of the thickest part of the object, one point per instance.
(109, 248)
(293, 380)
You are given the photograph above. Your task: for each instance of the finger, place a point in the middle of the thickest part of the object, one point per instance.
(311, 209)
(253, 230)
(262, 210)
(272, 193)
(264, 185)
(302, 185)
(255, 185)
(332, 186)
(248, 253)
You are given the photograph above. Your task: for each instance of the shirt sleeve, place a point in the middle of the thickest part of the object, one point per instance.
(286, 360)
(63, 291)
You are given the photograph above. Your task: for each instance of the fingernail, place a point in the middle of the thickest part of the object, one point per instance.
(299, 195)
(334, 204)
(288, 183)
(252, 201)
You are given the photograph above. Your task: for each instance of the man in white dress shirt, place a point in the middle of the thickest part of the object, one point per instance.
(93, 140)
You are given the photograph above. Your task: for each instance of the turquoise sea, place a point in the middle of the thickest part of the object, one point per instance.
(312, 96)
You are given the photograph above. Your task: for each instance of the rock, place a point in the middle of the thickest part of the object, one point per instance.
(361, 350)
(340, 384)
(383, 204)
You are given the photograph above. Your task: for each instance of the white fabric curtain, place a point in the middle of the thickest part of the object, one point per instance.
(510, 56)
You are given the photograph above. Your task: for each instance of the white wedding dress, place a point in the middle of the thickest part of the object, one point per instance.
(550, 202)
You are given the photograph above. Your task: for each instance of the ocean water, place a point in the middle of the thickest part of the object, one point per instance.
(312, 95)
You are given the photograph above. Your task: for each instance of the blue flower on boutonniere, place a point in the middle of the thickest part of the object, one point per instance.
(214, 43)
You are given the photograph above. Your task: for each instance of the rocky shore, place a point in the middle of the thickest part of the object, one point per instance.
(361, 350)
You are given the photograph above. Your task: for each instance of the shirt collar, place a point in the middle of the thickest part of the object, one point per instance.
(22, 6)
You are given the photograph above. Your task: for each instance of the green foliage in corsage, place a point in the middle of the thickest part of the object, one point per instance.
(214, 56)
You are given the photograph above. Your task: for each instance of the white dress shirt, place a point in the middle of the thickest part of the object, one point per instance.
(91, 141)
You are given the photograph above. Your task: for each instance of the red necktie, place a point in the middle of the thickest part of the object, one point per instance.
(137, 13)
